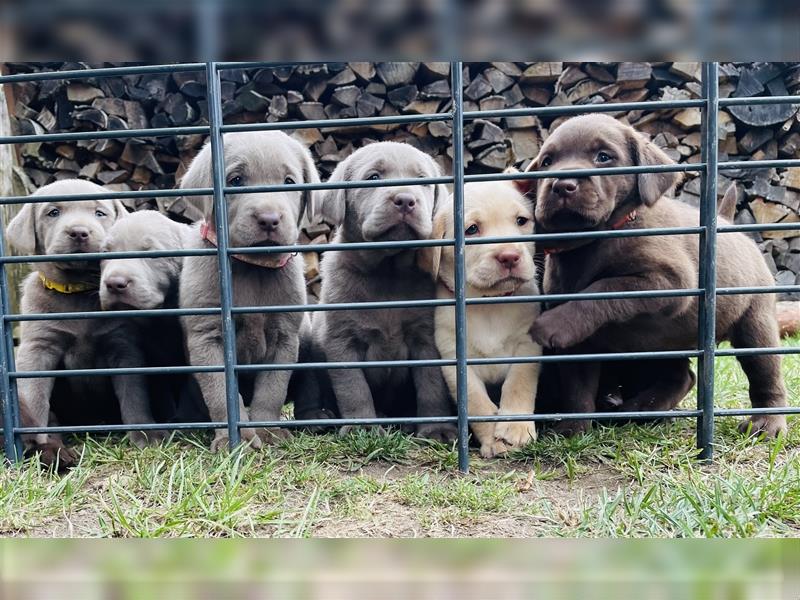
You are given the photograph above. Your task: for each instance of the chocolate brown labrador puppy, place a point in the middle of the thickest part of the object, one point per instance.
(640, 263)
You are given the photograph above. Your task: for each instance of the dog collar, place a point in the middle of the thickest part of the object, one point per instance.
(68, 288)
(208, 233)
(452, 291)
(628, 218)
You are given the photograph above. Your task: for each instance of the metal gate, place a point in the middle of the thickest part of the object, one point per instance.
(706, 290)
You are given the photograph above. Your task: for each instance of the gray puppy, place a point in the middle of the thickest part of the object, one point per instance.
(260, 219)
(72, 228)
(382, 214)
(152, 283)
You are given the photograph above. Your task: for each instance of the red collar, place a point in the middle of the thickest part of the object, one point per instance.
(629, 218)
(208, 233)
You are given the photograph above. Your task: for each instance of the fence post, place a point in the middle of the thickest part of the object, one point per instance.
(460, 269)
(708, 262)
(225, 278)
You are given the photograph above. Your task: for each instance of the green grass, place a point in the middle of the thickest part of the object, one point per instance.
(629, 480)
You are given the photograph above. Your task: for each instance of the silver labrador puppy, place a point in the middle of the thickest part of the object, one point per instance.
(259, 219)
(382, 214)
(152, 283)
(73, 228)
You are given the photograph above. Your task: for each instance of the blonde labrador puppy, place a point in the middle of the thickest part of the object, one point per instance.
(492, 209)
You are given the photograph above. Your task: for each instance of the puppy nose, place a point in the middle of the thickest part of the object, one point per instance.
(565, 187)
(508, 258)
(268, 221)
(117, 283)
(78, 233)
(405, 202)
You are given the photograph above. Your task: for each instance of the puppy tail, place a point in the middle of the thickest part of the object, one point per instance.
(726, 207)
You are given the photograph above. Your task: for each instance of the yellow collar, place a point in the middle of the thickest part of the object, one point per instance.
(68, 288)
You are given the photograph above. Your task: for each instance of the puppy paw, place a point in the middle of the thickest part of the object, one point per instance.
(349, 429)
(494, 448)
(55, 455)
(152, 437)
(221, 442)
(551, 330)
(274, 435)
(515, 435)
(445, 433)
(571, 428)
(768, 426)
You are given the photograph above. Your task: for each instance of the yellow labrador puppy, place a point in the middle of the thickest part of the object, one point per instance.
(491, 209)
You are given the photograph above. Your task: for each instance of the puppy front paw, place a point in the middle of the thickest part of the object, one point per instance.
(351, 429)
(768, 426)
(54, 454)
(570, 428)
(221, 441)
(274, 435)
(494, 448)
(515, 434)
(552, 330)
(445, 433)
(142, 439)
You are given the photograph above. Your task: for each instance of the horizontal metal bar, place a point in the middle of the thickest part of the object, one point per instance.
(110, 195)
(392, 304)
(758, 351)
(746, 227)
(102, 72)
(783, 163)
(606, 416)
(336, 247)
(116, 134)
(340, 306)
(758, 100)
(336, 123)
(579, 109)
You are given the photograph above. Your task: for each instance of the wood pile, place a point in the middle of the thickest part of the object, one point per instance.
(365, 89)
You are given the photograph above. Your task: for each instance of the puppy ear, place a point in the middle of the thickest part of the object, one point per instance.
(645, 153)
(430, 257)
(21, 231)
(310, 175)
(726, 207)
(119, 209)
(331, 205)
(198, 175)
(440, 194)
(525, 186)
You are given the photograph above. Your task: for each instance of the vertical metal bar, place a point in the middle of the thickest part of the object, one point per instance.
(225, 278)
(460, 270)
(12, 445)
(708, 262)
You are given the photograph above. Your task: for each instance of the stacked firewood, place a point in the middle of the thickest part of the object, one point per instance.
(365, 89)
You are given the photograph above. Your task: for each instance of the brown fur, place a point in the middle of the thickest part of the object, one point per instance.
(641, 263)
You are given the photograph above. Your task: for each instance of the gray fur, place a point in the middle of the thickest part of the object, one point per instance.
(72, 344)
(369, 214)
(261, 158)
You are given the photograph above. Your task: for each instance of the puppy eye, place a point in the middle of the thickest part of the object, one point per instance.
(100, 214)
(374, 177)
(546, 162)
(289, 180)
(54, 213)
(522, 221)
(237, 181)
(603, 157)
(472, 230)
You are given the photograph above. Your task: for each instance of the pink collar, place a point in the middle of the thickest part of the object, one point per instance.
(208, 233)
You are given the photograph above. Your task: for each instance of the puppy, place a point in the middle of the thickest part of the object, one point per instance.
(491, 209)
(260, 219)
(641, 263)
(73, 228)
(151, 283)
(376, 215)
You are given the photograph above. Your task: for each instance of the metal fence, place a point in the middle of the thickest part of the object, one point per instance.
(705, 352)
